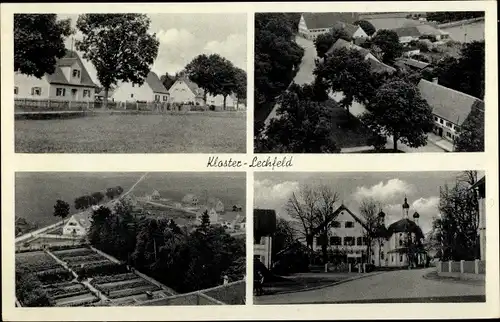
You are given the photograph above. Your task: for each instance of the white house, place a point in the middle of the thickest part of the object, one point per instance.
(190, 200)
(152, 90)
(212, 214)
(69, 82)
(217, 204)
(184, 91)
(449, 107)
(353, 31)
(313, 24)
(77, 225)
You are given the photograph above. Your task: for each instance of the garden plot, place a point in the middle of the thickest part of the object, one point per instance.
(123, 285)
(60, 291)
(78, 300)
(36, 261)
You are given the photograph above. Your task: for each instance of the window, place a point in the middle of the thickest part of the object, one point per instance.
(157, 98)
(348, 241)
(16, 90)
(448, 124)
(401, 258)
(71, 224)
(335, 224)
(392, 258)
(336, 241)
(400, 242)
(60, 92)
(131, 95)
(36, 91)
(165, 98)
(441, 121)
(359, 241)
(448, 134)
(349, 224)
(435, 118)
(76, 73)
(86, 93)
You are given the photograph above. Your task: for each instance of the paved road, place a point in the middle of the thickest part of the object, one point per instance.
(391, 286)
(305, 73)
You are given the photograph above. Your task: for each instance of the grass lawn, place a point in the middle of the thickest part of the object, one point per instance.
(347, 130)
(204, 132)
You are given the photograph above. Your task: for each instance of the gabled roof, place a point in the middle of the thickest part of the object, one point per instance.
(393, 23)
(407, 32)
(415, 63)
(69, 59)
(379, 67)
(341, 43)
(195, 89)
(155, 83)
(448, 103)
(349, 29)
(317, 20)
(83, 218)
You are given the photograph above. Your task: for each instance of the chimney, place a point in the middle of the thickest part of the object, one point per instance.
(435, 80)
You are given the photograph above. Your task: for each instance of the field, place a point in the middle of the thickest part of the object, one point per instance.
(48, 187)
(109, 281)
(203, 132)
(470, 32)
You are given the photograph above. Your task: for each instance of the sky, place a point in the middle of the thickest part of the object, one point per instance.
(184, 36)
(273, 190)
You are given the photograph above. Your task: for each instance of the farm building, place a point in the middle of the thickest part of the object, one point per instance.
(77, 225)
(184, 91)
(190, 200)
(313, 24)
(69, 82)
(152, 90)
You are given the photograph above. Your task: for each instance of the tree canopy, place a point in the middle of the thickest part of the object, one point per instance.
(397, 109)
(310, 120)
(324, 41)
(447, 16)
(388, 42)
(119, 46)
(38, 43)
(470, 136)
(276, 60)
(61, 209)
(346, 71)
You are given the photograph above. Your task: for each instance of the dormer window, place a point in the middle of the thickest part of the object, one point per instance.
(76, 73)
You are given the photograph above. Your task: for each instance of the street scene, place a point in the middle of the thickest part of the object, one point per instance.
(336, 82)
(176, 83)
(130, 239)
(379, 237)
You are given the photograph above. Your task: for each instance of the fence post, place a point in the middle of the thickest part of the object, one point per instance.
(476, 266)
(450, 264)
(136, 105)
(462, 262)
(326, 267)
(439, 266)
(350, 268)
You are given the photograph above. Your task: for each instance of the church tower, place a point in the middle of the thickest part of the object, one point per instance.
(406, 208)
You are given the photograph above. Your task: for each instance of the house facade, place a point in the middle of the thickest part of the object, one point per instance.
(152, 90)
(69, 82)
(190, 200)
(480, 188)
(450, 108)
(184, 91)
(313, 24)
(77, 225)
(390, 245)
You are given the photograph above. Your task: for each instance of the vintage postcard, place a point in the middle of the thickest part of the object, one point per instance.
(138, 137)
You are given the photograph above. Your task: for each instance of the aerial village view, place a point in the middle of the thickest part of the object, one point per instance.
(369, 82)
(369, 237)
(129, 239)
(175, 83)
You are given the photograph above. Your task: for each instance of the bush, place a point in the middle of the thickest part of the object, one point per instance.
(377, 141)
(369, 268)
(212, 107)
(54, 275)
(29, 290)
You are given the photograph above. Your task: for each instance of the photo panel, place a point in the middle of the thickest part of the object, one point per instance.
(130, 239)
(369, 82)
(174, 83)
(369, 237)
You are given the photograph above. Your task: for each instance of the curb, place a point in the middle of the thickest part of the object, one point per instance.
(326, 285)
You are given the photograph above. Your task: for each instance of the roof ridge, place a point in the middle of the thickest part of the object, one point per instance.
(452, 90)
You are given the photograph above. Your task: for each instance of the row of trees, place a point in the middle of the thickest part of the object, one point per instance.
(448, 16)
(454, 233)
(183, 259)
(277, 58)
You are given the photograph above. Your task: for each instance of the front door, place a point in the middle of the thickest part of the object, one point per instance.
(440, 132)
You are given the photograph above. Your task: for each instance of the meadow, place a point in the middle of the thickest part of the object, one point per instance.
(197, 132)
(36, 192)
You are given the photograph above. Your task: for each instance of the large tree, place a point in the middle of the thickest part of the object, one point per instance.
(309, 119)
(455, 231)
(241, 85)
(168, 80)
(388, 42)
(324, 41)
(346, 71)
(61, 209)
(223, 76)
(200, 71)
(470, 136)
(398, 110)
(369, 209)
(119, 46)
(39, 42)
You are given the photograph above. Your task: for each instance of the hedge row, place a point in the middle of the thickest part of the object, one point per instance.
(54, 275)
(101, 269)
(113, 278)
(68, 294)
(64, 247)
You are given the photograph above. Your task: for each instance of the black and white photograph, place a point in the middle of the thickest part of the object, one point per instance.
(130, 83)
(129, 239)
(369, 82)
(369, 237)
